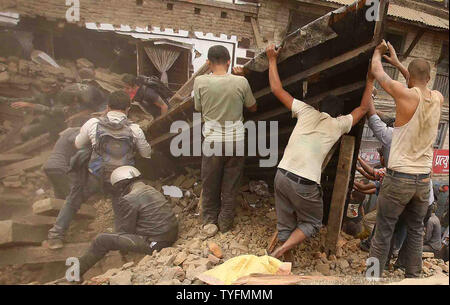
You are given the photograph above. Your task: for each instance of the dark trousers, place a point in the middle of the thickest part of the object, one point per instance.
(397, 196)
(60, 181)
(80, 192)
(221, 177)
(428, 248)
(123, 242)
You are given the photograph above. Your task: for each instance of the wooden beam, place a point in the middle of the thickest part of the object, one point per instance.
(8, 158)
(139, 59)
(31, 145)
(257, 33)
(319, 68)
(187, 88)
(34, 255)
(381, 24)
(341, 184)
(16, 168)
(312, 100)
(413, 43)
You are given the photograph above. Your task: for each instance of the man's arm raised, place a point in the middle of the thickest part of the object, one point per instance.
(361, 111)
(274, 78)
(392, 87)
(393, 60)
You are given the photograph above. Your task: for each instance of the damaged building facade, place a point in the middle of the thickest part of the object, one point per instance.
(417, 28)
(118, 36)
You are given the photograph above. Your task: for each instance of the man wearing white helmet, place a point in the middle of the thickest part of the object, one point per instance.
(144, 219)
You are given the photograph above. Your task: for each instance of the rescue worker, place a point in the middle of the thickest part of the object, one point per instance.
(114, 141)
(406, 185)
(48, 107)
(58, 163)
(150, 96)
(145, 220)
(221, 98)
(298, 194)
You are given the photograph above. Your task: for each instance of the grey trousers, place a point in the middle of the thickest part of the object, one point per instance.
(397, 196)
(297, 206)
(221, 181)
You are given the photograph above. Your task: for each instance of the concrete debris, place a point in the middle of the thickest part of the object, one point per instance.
(172, 191)
(200, 248)
(121, 278)
(210, 230)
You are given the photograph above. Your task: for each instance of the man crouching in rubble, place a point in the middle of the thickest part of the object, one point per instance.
(221, 97)
(113, 141)
(145, 221)
(298, 195)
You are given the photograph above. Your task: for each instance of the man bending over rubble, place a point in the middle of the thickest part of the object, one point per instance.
(113, 141)
(145, 221)
(298, 195)
(221, 98)
(406, 186)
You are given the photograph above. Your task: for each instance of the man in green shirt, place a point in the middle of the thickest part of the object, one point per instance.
(221, 98)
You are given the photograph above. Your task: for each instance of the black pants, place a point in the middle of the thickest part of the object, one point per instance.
(221, 177)
(123, 242)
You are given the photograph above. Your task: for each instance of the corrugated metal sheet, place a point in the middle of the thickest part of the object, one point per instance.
(413, 15)
(407, 13)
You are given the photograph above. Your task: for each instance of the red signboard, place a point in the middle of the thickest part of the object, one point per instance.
(440, 161)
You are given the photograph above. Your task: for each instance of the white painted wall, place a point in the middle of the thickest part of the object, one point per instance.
(201, 42)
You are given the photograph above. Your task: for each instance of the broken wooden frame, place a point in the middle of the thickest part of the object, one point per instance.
(328, 56)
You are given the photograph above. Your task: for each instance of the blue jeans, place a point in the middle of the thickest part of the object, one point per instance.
(80, 192)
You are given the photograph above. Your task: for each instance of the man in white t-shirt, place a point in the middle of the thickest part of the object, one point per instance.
(298, 195)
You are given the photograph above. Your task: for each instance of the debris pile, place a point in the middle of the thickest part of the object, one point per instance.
(199, 249)
(18, 76)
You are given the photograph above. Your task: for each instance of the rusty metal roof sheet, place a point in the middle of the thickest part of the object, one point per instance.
(407, 13)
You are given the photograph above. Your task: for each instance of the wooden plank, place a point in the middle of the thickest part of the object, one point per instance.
(381, 24)
(273, 242)
(319, 68)
(139, 59)
(312, 100)
(279, 279)
(16, 168)
(276, 112)
(257, 33)
(4, 158)
(14, 233)
(31, 145)
(413, 43)
(341, 184)
(33, 255)
(186, 89)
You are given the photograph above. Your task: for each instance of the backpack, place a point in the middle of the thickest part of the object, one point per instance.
(115, 147)
(156, 84)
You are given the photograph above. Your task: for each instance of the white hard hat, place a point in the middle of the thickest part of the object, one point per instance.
(123, 173)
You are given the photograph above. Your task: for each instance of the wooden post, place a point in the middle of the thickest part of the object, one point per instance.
(258, 38)
(139, 59)
(413, 43)
(339, 197)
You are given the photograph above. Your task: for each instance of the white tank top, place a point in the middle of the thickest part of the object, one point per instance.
(412, 143)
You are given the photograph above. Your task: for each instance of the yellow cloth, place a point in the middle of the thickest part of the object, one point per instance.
(240, 266)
